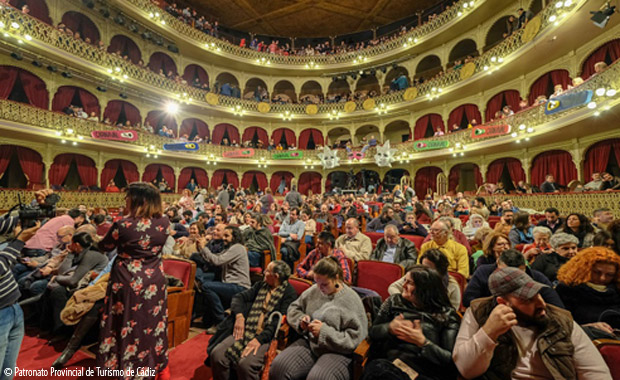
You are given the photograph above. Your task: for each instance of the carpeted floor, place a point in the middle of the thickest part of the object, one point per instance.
(186, 360)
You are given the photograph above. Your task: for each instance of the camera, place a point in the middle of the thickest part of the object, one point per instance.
(28, 214)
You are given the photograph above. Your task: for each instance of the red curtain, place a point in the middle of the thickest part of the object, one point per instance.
(538, 88)
(6, 152)
(126, 47)
(130, 171)
(472, 112)
(248, 177)
(221, 129)
(35, 89)
(496, 168)
(310, 181)
(494, 172)
(115, 107)
(109, 172)
(304, 138)
(455, 117)
(65, 95)
(86, 169)
(157, 119)
(478, 176)
(150, 173)
(194, 71)
(515, 169)
(38, 9)
(60, 168)
(248, 135)
(201, 177)
(454, 177)
(289, 136)
(276, 178)
(508, 97)
(611, 48)
(162, 61)
(199, 174)
(561, 77)
(78, 22)
(426, 178)
(218, 178)
(31, 164)
(420, 129)
(597, 157)
(559, 163)
(187, 126)
(8, 76)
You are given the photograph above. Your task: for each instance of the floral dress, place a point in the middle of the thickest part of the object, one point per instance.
(134, 330)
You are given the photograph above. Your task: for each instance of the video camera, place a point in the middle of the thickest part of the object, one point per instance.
(28, 214)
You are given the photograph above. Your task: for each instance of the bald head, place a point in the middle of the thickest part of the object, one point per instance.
(390, 234)
(352, 227)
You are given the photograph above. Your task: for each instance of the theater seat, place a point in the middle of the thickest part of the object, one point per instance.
(378, 275)
(300, 284)
(180, 299)
(374, 237)
(417, 240)
(610, 351)
(462, 281)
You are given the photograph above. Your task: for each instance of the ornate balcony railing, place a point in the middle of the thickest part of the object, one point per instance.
(405, 41)
(125, 70)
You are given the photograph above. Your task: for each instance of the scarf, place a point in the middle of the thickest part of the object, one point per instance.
(251, 322)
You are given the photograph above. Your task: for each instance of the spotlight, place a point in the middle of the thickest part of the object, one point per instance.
(601, 17)
(172, 107)
(89, 3)
(67, 74)
(120, 20)
(102, 88)
(123, 95)
(105, 12)
(159, 41)
(52, 68)
(17, 56)
(146, 35)
(334, 79)
(384, 69)
(37, 63)
(134, 28)
(173, 48)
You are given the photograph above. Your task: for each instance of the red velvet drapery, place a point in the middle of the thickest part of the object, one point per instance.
(597, 157)
(65, 94)
(455, 117)
(157, 119)
(194, 71)
(162, 61)
(8, 76)
(199, 174)
(187, 127)
(130, 171)
(31, 164)
(218, 178)
(6, 152)
(310, 181)
(304, 138)
(541, 85)
(276, 178)
(508, 97)
(115, 107)
(455, 176)
(248, 135)
(559, 163)
(248, 177)
(611, 49)
(126, 47)
(426, 178)
(431, 120)
(289, 136)
(80, 23)
(150, 173)
(221, 129)
(495, 169)
(85, 166)
(35, 89)
(86, 169)
(38, 9)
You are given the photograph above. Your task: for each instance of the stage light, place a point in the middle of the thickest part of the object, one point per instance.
(601, 17)
(14, 25)
(553, 18)
(513, 134)
(17, 56)
(611, 92)
(102, 88)
(600, 91)
(522, 127)
(123, 95)
(67, 74)
(592, 105)
(172, 107)
(28, 37)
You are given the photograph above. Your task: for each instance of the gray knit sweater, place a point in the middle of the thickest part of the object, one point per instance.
(345, 324)
(234, 262)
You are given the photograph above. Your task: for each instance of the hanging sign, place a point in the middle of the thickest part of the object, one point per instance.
(243, 153)
(568, 101)
(115, 135)
(422, 145)
(288, 155)
(187, 146)
(489, 131)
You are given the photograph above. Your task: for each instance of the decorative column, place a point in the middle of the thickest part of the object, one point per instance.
(526, 163)
(48, 160)
(577, 156)
(177, 173)
(141, 165)
(483, 166)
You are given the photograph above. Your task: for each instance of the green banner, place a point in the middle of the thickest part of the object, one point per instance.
(288, 155)
(422, 145)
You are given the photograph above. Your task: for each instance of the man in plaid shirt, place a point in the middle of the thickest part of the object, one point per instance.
(324, 248)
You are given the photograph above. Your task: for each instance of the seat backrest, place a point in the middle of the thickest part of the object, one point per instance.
(464, 218)
(300, 284)
(460, 279)
(184, 270)
(610, 351)
(374, 237)
(378, 275)
(417, 240)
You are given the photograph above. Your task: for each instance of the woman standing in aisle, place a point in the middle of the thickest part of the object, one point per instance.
(135, 315)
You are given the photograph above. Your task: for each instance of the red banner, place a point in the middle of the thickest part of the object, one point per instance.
(249, 152)
(115, 135)
(489, 131)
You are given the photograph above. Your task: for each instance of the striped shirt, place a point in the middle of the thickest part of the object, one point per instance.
(9, 292)
(313, 257)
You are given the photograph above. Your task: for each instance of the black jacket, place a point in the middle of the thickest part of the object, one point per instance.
(558, 225)
(549, 264)
(433, 360)
(478, 286)
(588, 305)
(406, 253)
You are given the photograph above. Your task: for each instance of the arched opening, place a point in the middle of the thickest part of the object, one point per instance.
(225, 134)
(462, 50)
(162, 63)
(119, 112)
(256, 89)
(426, 181)
(79, 23)
(428, 67)
(396, 132)
(124, 46)
(310, 139)
(392, 178)
(227, 84)
(394, 81)
(199, 176)
(498, 32)
(194, 129)
(285, 137)
(604, 156)
(254, 181)
(67, 96)
(337, 90)
(608, 53)
(280, 180)
(464, 177)
(536, 6)
(37, 9)
(369, 180)
(22, 86)
(224, 177)
(310, 181)
(559, 163)
(159, 119)
(311, 93)
(256, 136)
(158, 173)
(71, 171)
(337, 179)
(496, 104)
(338, 137)
(367, 85)
(196, 76)
(364, 133)
(284, 92)
(123, 173)
(506, 170)
(20, 168)
(546, 83)
(428, 125)
(462, 116)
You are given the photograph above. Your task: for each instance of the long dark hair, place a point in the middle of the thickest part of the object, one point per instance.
(430, 293)
(584, 224)
(237, 236)
(144, 200)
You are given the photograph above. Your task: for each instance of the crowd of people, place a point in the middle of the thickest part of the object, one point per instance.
(529, 276)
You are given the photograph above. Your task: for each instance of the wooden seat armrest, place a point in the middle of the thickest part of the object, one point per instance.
(604, 342)
(360, 357)
(175, 289)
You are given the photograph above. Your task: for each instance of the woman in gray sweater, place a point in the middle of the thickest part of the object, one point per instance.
(331, 318)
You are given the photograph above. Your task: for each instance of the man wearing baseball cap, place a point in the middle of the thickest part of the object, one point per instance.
(514, 334)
